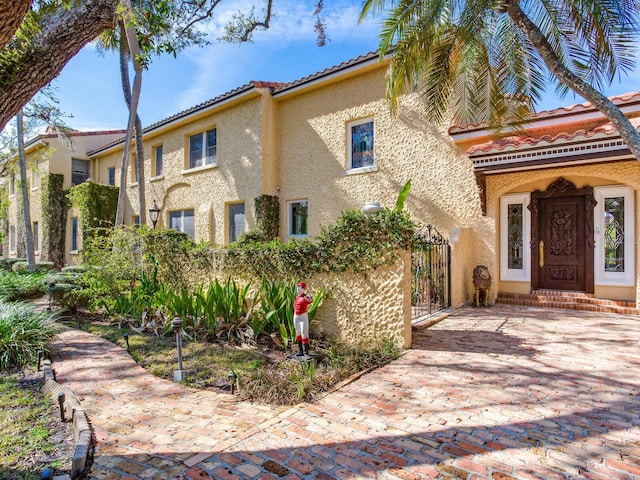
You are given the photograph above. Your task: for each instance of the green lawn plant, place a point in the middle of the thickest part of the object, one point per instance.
(24, 331)
(20, 286)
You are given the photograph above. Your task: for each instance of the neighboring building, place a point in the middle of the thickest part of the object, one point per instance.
(328, 142)
(50, 153)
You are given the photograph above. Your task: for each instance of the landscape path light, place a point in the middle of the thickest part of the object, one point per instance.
(178, 375)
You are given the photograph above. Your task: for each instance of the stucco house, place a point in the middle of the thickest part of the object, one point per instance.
(552, 212)
(50, 153)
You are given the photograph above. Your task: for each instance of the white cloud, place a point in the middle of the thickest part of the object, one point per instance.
(220, 67)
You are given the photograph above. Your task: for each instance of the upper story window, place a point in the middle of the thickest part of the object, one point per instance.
(298, 213)
(203, 149)
(361, 144)
(156, 164)
(12, 184)
(79, 171)
(35, 176)
(183, 221)
(134, 171)
(111, 176)
(235, 221)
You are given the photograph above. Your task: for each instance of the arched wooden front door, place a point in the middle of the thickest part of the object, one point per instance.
(562, 237)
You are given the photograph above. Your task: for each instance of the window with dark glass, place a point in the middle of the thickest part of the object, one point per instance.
(515, 243)
(362, 145)
(203, 149)
(79, 171)
(111, 175)
(157, 161)
(298, 215)
(236, 221)
(74, 234)
(183, 221)
(36, 234)
(614, 234)
(12, 187)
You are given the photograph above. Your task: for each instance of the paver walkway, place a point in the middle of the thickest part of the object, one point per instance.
(499, 393)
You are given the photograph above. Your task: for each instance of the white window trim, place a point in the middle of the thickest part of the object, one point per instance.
(626, 278)
(204, 165)
(510, 274)
(369, 168)
(290, 219)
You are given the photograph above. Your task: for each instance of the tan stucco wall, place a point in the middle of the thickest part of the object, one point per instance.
(207, 190)
(53, 155)
(619, 173)
(313, 144)
(360, 309)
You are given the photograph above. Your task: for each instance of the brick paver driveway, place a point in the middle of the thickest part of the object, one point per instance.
(498, 393)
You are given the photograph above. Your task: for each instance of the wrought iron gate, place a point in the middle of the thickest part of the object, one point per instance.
(430, 273)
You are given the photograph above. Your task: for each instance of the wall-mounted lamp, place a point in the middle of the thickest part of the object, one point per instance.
(371, 208)
(154, 213)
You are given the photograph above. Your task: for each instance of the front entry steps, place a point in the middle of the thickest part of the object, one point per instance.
(568, 301)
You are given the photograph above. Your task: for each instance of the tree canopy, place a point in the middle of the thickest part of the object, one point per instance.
(491, 61)
(39, 37)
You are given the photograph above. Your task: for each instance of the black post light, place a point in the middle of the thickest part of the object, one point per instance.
(154, 213)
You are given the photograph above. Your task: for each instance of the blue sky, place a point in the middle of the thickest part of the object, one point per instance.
(89, 86)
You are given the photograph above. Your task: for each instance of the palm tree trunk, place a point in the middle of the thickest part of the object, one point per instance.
(627, 131)
(22, 163)
(134, 51)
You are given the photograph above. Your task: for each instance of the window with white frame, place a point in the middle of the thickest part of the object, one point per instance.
(111, 176)
(74, 234)
(614, 260)
(36, 235)
(361, 143)
(79, 171)
(183, 221)
(235, 221)
(298, 213)
(203, 149)
(157, 161)
(515, 236)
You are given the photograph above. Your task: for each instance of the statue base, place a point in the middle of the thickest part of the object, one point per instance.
(304, 358)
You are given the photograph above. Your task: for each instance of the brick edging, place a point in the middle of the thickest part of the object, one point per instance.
(72, 410)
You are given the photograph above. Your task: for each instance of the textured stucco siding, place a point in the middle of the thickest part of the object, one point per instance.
(313, 148)
(207, 190)
(363, 309)
(620, 173)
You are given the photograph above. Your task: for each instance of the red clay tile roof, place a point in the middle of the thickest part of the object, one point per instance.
(620, 100)
(516, 142)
